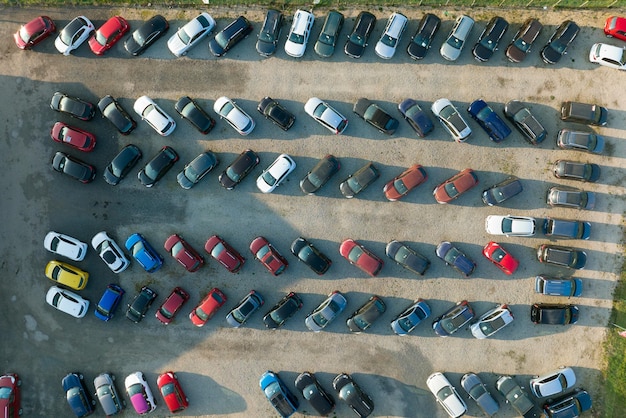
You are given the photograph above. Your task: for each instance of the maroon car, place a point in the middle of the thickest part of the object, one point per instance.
(168, 310)
(183, 253)
(34, 32)
(405, 182)
(361, 257)
(224, 253)
(207, 307)
(455, 186)
(72, 136)
(108, 35)
(268, 255)
(10, 399)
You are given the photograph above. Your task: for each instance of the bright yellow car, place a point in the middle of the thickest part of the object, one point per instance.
(67, 275)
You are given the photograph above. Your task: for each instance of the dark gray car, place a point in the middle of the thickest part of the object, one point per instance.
(565, 228)
(407, 257)
(357, 40)
(364, 317)
(327, 39)
(197, 169)
(275, 112)
(488, 40)
(320, 174)
(562, 256)
(574, 170)
(358, 181)
(518, 113)
(270, 33)
(353, 395)
(516, 396)
(587, 113)
(421, 41)
(502, 191)
(477, 390)
(571, 197)
(371, 113)
(580, 141)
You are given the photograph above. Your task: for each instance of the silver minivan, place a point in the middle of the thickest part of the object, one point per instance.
(452, 47)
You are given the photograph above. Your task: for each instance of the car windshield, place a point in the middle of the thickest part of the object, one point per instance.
(492, 326)
(498, 254)
(226, 109)
(357, 39)
(558, 46)
(183, 36)
(402, 254)
(400, 186)
(477, 391)
(452, 255)
(267, 32)
(455, 42)
(451, 189)
(244, 310)
(444, 393)
(168, 389)
(262, 251)
(217, 250)
(484, 113)
(222, 39)
(507, 226)
(138, 37)
(361, 322)
(389, 41)
(354, 184)
(269, 179)
(522, 45)
(102, 40)
(320, 319)
(296, 38)
(134, 390)
(319, 110)
(355, 254)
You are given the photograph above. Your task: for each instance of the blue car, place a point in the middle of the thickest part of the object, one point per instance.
(144, 253)
(78, 397)
(455, 258)
(109, 301)
(411, 317)
(277, 393)
(546, 285)
(489, 120)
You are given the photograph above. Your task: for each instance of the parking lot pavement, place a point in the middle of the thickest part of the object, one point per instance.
(219, 367)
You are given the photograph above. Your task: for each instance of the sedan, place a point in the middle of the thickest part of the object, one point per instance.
(557, 45)
(34, 32)
(277, 393)
(489, 120)
(298, 37)
(139, 393)
(416, 117)
(386, 46)
(503, 191)
(411, 317)
(454, 43)
(313, 392)
(572, 404)
(73, 35)
(495, 253)
(571, 197)
(73, 106)
(478, 391)
(141, 303)
(239, 169)
(553, 314)
(144, 253)
(117, 115)
(197, 169)
(553, 383)
(234, 115)
(327, 39)
(105, 309)
(270, 33)
(275, 112)
(453, 257)
(608, 55)
(511, 226)
(565, 228)
(580, 141)
(224, 254)
(190, 34)
(108, 35)
(453, 319)
(158, 166)
(320, 174)
(121, 164)
(146, 35)
(287, 307)
(361, 31)
(67, 302)
(361, 257)
(66, 275)
(73, 167)
(326, 312)
(402, 184)
(455, 186)
(359, 180)
(352, 394)
(371, 113)
(446, 395)
(190, 110)
(492, 321)
(514, 395)
(156, 117)
(518, 113)
(205, 310)
(110, 400)
(407, 257)
(553, 286)
(562, 256)
(65, 246)
(488, 40)
(326, 115)
(523, 40)
(230, 36)
(268, 256)
(574, 170)
(172, 304)
(311, 256)
(615, 26)
(110, 252)
(184, 253)
(451, 120)
(275, 174)
(251, 303)
(364, 317)
(77, 394)
(172, 392)
(421, 41)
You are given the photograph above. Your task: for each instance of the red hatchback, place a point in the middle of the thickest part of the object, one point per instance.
(10, 400)
(405, 182)
(172, 393)
(34, 32)
(183, 253)
(615, 27)
(74, 137)
(500, 257)
(168, 310)
(108, 34)
(224, 253)
(207, 308)
(268, 255)
(455, 186)
(361, 257)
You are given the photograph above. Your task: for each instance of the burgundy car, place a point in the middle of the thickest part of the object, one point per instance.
(108, 35)
(168, 310)
(34, 32)
(405, 182)
(172, 393)
(72, 136)
(207, 308)
(224, 253)
(500, 257)
(615, 26)
(361, 257)
(183, 253)
(455, 186)
(10, 399)
(268, 255)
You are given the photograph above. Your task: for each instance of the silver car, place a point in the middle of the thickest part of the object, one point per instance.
(452, 47)
(326, 312)
(477, 390)
(108, 395)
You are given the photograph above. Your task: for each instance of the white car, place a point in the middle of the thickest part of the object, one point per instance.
(139, 393)
(73, 35)
(511, 226)
(66, 301)
(326, 115)
(154, 116)
(110, 252)
(451, 119)
(65, 245)
(189, 35)
(553, 383)
(275, 174)
(299, 33)
(608, 55)
(446, 395)
(492, 321)
(234, 115)
(452, 47)
(386, 46)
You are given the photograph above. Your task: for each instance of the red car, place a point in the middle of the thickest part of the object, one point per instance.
(168, 310)
(10, 399)
(108, 34)
(34, 32)
(455, 186)
(207, 308)
(268, 255)
(72, 136)
(172, 393)
(500, 257)
(361, 257)
(183, 253)
(224, 253)
(405, 182)
(615, 27)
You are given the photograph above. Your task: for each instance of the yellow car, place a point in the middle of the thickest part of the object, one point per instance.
(67, 275)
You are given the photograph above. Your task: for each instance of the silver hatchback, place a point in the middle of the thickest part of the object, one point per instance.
(107, 394)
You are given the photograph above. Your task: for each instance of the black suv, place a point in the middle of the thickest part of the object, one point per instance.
(275, 112)
(357, 40)
(325, 45)
(420, 43)
(523, 40)
(270, 32)
(502, 191)
(559, 41)
(562, 256)
(518, 113)
(488, 40)
(228, 37)
(591, 114)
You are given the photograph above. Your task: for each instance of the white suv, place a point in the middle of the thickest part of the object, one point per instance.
(452, 47)
(299, 33)
(386, 46)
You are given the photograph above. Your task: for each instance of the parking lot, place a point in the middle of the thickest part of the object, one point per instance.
(219, 367)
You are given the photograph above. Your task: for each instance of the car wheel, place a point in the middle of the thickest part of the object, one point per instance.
(80, 376)
(93, 402)
(19, 382)
(113, 377)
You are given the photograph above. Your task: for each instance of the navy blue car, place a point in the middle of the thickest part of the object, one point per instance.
(77, 395)
(278, 394)
(109, 301)
(489, 120)
(144, 253)
(455, 258)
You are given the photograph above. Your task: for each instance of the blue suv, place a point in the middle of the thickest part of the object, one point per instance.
(489, 120)
(144, 253)
(109, 301)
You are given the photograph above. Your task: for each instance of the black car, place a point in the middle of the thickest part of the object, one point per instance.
(228, 37)
(77, 395)
(157, 166)
(146, 35)
(518, 113)
(274, 111)
(364, 317)
(73, 106)
(121, 164)
(498, 193)
(140, 305)
(523, 40)
(311, 256)
(282, 311)
(359, 180)
(562, 256)
(311, 390)
(353, 395)
(419, 120)
(117, 115)
(420, 42)
(239, 169)
(488, 40)
(574, 170)
(73, 167)
(453, 257)
(407, 257)
(357, 40)
(327, 39)
(320, 174)
(570, 405)
(270, 33)
(565, 228)
(371, 113)
(197, 169)
(553, 314)
(556, 47)
(189, 109)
